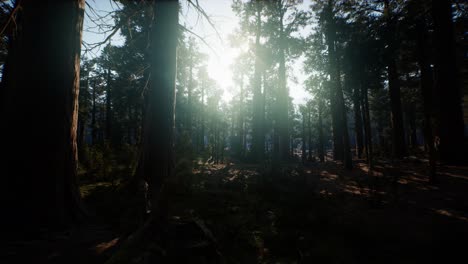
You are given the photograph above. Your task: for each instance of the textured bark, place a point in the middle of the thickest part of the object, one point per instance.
(39, 111)
(451, 127)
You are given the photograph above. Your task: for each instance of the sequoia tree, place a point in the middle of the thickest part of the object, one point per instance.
(156, 162)
(39, 110)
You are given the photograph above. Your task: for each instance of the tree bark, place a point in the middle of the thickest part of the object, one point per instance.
(451, 127)
(39, 111)
(157, 160)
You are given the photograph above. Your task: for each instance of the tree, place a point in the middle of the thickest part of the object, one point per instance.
(451, 128)
(156, 163)
(39, 109)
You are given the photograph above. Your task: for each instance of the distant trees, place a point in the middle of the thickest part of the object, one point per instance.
(372, 48)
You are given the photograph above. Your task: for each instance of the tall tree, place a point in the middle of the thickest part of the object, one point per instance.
(398, 134)
(451, 128)
(39, 109)
(156, 162)
(340, 126)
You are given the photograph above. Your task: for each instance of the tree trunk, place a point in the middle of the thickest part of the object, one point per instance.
(108, 107)
(338, 144)
(398, 133)
(283, 104)
(202, 119)
(358, 120)
(241, 120)
(321, 152)
(451, 127)
(257, 122)
(396, 117)
(304, 117)
(39, 111)
(427, 91)
(94, 129)
(309, 130)
(157, 160)
(340, 125)
(366, 119)
(347, 158)
(190, 92)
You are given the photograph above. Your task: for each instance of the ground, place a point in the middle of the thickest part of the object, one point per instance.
(296, 213)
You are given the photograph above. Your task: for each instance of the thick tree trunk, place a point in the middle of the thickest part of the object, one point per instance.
(157, 161)
(39, 112)
(451, 127)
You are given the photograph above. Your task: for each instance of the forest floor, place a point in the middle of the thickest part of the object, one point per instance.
(320, 213)
(300, 213)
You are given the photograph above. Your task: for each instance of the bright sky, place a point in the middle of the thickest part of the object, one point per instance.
(221, 54)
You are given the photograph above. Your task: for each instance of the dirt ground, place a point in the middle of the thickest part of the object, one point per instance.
(293, 213)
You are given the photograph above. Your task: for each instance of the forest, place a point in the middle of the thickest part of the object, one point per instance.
(338, 132)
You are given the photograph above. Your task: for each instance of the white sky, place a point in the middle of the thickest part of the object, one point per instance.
(223, 55)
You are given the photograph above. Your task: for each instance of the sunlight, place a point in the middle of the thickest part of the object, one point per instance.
(219, 69)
